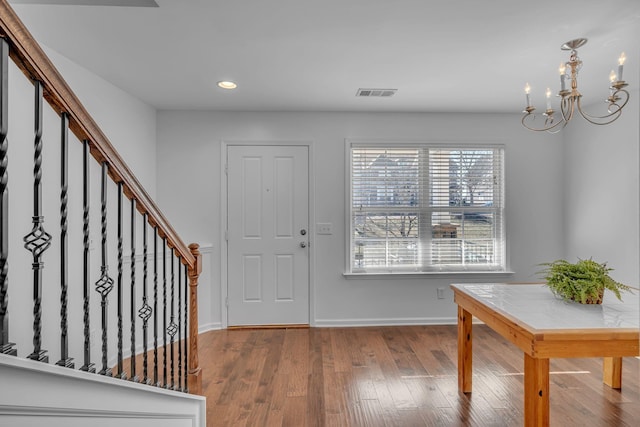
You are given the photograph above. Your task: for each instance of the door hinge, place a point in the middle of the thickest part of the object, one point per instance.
(226, 302)
(226, 169)
(226, 235)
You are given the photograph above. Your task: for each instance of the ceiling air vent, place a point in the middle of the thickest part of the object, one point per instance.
(376, 92)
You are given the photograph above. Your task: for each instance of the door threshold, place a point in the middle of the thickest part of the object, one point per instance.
(284, 326)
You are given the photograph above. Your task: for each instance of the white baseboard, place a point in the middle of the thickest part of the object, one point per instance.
(209, 327)
(336, 323)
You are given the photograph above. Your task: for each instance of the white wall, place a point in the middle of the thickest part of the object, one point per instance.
(602, 193)
(128, 123)
(189, 192)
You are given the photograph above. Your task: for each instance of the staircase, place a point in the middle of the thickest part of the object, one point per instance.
(91, 272)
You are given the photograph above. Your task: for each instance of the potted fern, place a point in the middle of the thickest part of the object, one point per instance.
(583, 282)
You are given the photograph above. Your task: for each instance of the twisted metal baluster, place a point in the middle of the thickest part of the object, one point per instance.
(172, 328)
(87, 366)
(6, 347)
(186, 330)
(121, 374)
(65, 360)
(104, 285)
(180, 324)
(155, 307)
(38, 240)
(134, 377)
(145, 311)
(164, 311)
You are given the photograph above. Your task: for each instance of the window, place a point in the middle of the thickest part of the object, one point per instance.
(421, 208)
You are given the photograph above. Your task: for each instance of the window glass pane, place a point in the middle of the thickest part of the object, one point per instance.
(462, 177)
(385, 239)
(480, 252)
(446, 251)
(478, 225)
(383, 225)
(462, 237)
(426, 207)
(384, 177)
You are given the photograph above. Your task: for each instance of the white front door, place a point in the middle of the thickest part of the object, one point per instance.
(268, 235)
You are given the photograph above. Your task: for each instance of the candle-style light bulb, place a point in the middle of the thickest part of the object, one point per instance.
(563, 74)
(621, 60)
(548, 93)
(527, 90)
(612, 80)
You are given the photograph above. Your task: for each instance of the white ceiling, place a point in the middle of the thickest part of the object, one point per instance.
(313, 55)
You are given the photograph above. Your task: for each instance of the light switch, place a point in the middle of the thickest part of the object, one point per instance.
(324, 228)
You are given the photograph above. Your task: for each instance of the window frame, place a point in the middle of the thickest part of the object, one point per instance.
(425, 212)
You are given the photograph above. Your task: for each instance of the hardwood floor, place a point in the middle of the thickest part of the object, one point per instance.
(393, 376)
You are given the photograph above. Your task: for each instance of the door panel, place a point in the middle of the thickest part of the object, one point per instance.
(268, 258)
(251, 280)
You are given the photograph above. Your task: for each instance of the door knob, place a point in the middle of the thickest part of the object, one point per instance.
(303, 244)
(303, 232)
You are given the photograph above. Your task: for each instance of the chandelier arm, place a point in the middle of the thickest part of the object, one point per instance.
(567, 107)
(547, 128)
(612, 116)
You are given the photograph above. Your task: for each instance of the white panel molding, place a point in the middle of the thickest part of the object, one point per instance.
(59, 394)
(36, 411)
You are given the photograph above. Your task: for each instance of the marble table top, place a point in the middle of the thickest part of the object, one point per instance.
(537, 307)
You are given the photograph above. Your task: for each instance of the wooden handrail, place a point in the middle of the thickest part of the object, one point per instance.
(34, 63)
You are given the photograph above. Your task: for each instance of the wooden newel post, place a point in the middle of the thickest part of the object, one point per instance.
(195, 373)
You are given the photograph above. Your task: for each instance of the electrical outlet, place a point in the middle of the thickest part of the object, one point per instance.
(324, 228)
(440, 293)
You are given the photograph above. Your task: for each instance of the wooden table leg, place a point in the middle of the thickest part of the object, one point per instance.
(465, 353)
(536, 391)
(612, 372)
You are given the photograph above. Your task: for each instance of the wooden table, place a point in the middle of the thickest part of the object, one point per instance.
(543, 326)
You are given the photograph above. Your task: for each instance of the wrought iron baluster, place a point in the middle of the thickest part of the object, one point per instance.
(64, 279)
(155, 307)
(6, 347)
(104, 285)
(87, 366)
(164, 311)
(172, 328)
(38, 240)
(133, 377)
(145, 311)
(186, 330)
(180, 324)
(121, 374)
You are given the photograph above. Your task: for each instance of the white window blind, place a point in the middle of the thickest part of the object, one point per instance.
(426, 208)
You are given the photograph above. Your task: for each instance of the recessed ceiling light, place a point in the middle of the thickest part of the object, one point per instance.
(227, 85)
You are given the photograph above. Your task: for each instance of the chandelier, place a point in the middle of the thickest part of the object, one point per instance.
(554, 121)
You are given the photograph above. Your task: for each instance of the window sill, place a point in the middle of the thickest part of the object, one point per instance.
(428, 274)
